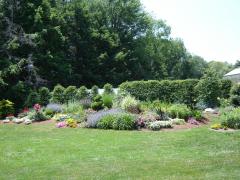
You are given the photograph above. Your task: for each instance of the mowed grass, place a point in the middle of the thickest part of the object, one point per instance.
(45, 152)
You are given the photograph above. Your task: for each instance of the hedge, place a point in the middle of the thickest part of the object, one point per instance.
(172, 91)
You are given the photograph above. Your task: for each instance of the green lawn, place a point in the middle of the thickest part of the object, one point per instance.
(45, 152)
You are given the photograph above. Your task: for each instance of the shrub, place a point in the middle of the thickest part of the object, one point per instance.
(198, 115)
(58, 94)
(38, 116)
(157, 125)
(33, 98)
(107, 100)
(70, 93)
(179, 111)
(130, 104)
(82, 93)
(106, 122)
(6, 108)
(55, 108)
(94, 118)
(209, 89)
(178, 121)
(71, 123)
(226, 86)
(86, 103)
(97, 103)
(124, 122)
(60, 117)
(235, 95)
(108, 89)
(180, 91)
(44, 96)
(216, 126)
(94, 91)
(231, 119)
(72, 107)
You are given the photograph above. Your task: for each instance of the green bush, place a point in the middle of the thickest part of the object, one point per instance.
(235, 95)
(33, 98)
(72, 107)
(58, 94)
(179, 111)
(106, 122)
(38, 116)
(130, 104)
(70, 93)
(97, 103)
(124, 122)
(226, 86)
(180, 91)
(94, 91)
(82, 93)
(231, 119)
(44, 96)
(209, 89)
(108, 89)
(107, 100)
(6, 108)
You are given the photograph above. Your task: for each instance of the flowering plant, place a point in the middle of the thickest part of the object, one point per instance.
(61, 125)
(37, 107)
(25, 110)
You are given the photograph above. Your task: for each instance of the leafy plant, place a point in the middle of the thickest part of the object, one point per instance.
(72, 107)
(157, 125)
(235, 95)
(33, 98)
(98, 103)
(6, 107)
(106, 122)
(108, 89)
(179, 111)
(82, 93)
(231, 119)
(216, 126)
(71, 123)
(70, 93)
(93, 119)
(209, 89)
(107, 100)
(94, 91)
(178, 121)
(58, 94)
(44, 96)
(124, 122)
(130, 104)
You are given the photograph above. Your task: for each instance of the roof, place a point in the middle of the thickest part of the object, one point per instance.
(233, 72)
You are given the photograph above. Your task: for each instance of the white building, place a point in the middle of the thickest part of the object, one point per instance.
(233, 75)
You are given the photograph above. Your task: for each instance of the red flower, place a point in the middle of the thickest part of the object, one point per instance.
(25, 110)
(37, 107)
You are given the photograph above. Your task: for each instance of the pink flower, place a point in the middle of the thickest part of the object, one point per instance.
(61, 125)
(37, 107)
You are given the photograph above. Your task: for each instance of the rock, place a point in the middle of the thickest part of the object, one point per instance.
(27, 122)
(210, 110)
(18, 121)
(6, 121)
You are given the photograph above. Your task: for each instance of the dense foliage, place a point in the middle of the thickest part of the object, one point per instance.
(81, 42)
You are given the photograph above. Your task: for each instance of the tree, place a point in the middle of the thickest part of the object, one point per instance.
(209, 89)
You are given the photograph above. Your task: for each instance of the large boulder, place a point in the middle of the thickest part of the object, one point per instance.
(6, 121)
(27, 121)
(19, 120)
